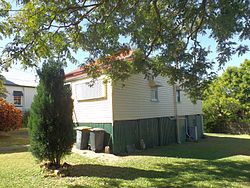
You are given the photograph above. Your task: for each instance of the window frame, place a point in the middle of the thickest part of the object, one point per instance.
(94, 98)
(154, 90)
(19, 99)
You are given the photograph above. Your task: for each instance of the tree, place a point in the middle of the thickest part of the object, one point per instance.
(166, 35)
(227, 99)
(4, 31)
(3, 90)
(50, 122)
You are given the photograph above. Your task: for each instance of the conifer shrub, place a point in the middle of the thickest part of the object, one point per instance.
(10, 116)
(50, 122)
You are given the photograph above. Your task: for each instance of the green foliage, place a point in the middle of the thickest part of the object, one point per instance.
(227, 100)
(167, 35)
(25, 119)
(50, 122)
(3, 90)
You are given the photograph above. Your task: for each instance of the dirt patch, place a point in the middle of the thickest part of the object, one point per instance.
(93, 155)
(51, 170)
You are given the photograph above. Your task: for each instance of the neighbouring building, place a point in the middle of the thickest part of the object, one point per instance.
(137, 109)
(20, 93)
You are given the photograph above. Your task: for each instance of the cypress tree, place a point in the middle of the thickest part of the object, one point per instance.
(50, 122)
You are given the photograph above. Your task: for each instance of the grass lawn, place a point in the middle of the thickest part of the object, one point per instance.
(217, 161)
(17, 137)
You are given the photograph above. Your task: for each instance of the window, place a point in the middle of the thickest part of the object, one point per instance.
(86, 92)
(178, 95)
(154, 85)
(68, 87)
(17, 98)
(154, 94)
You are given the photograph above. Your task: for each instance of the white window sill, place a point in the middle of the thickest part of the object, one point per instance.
(154, 100)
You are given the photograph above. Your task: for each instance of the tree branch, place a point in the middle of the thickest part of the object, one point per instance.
(158, 16)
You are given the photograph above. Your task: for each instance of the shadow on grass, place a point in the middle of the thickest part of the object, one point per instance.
(217, 172)
(105, 183)
(14, 149)
(76, 186)
(187, 173)
(210, 148)
(14, 138)
(125, 173)
(14, 141)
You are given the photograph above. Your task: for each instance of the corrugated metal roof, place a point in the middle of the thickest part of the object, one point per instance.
(8, 82)
(80, 72)
(20, 82)
(18, 77)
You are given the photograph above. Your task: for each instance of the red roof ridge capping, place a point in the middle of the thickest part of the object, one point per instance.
(75, 73)
(124, 54)
(79, 72)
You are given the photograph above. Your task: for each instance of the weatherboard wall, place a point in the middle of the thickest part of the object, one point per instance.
(94, 111)
(29, 94)
(186, 107)
(133, 99)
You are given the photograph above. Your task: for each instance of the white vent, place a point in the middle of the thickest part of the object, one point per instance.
(86, 92)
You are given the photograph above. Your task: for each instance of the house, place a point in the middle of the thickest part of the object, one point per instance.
(20, 92)
(137, 109)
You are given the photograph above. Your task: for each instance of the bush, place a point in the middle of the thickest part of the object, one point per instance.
(25, 119)
(228, 128)
(50, 121)
(10, 116)
(226, 102)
